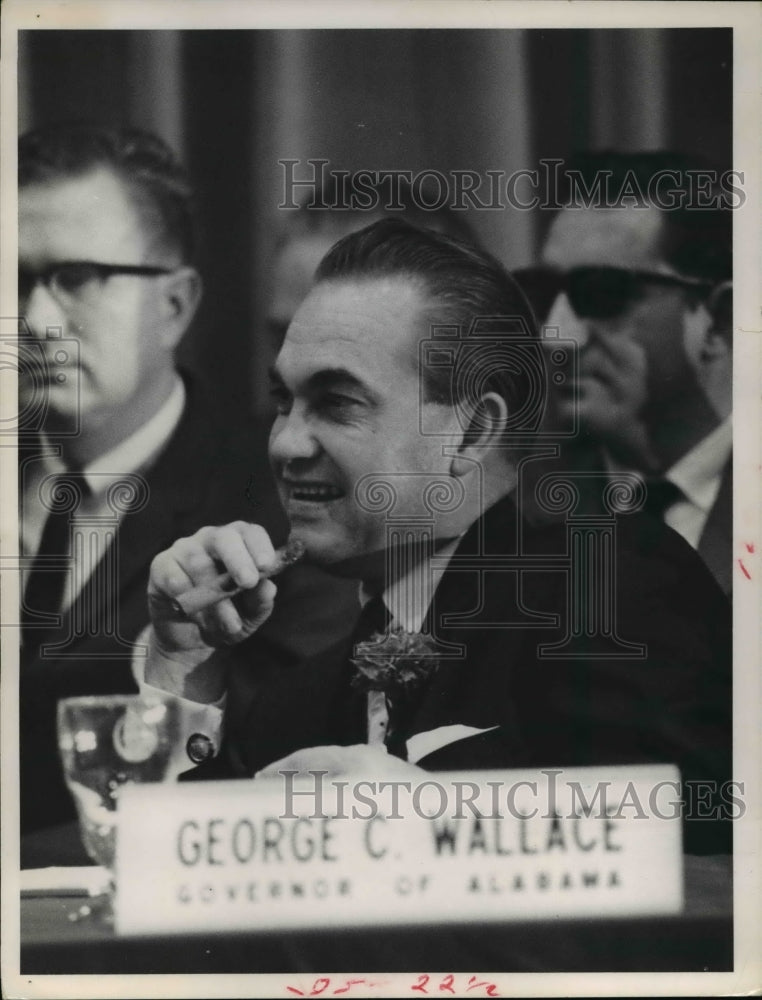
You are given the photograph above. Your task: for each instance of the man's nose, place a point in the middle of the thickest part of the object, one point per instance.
(570, 325)
(41, 311)
(292, 437)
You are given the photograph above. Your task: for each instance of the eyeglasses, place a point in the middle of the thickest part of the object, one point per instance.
(79, 280)
(595, 292)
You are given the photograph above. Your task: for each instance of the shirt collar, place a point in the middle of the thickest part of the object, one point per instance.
(699, 471)
(135, 452)
(407, 601)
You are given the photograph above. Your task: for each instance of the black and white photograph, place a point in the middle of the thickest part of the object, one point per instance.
(381, 499)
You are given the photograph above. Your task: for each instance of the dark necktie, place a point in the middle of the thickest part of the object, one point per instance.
(661, 494)
(374, 617)
(45, 582)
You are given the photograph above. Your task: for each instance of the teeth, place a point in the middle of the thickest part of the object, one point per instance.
(315, 492)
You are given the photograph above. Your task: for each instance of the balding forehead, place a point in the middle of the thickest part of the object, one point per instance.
(620, 237)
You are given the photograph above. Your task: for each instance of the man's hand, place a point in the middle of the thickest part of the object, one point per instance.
(360, 759)
(181, 645)
(611, 396)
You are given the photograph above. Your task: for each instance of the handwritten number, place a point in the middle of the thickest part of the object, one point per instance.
(349, 985)
(491, 987)
(446, 986)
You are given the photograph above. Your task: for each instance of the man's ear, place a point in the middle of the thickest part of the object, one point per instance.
(181, 295)
(485, 426)
(708, 329)
(715, 372)
(697, 324)
(719, 340)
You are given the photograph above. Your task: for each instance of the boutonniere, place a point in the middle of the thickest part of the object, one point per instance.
(395, 663)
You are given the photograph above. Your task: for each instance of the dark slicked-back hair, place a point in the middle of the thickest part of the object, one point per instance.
(697, 234)
(155, 180)
(462, 287)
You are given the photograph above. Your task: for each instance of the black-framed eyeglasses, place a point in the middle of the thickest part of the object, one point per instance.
(595, 292)
(76, 280)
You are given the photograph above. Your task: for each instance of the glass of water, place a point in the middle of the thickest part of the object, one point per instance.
(106, 742)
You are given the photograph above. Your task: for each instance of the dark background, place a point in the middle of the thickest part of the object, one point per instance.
(233, 102)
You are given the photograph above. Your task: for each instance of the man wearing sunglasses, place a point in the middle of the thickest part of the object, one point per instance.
(118, 450)
(644, 290)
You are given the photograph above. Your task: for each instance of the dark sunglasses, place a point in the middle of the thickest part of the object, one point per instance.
(594, 292)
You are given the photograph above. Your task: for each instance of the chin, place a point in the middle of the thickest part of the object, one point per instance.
(336, 555)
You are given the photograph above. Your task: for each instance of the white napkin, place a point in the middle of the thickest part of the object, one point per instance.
(89, 880)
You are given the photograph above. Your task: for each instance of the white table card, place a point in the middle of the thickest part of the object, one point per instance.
(456, 847)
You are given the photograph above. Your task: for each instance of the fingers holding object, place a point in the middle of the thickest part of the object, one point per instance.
(247, 556)
(230, 620)
(242, 550)
(211, 565)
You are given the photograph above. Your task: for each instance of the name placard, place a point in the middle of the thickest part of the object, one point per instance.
(317, 851)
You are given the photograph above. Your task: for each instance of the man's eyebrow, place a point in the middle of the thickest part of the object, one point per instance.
(326, 378)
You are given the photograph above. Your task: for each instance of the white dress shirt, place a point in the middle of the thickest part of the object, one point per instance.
(698, 474)
(133, 455)
(408, 603)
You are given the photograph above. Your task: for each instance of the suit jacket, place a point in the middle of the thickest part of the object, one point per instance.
(589, 706)
(715, 545)
(207, 474)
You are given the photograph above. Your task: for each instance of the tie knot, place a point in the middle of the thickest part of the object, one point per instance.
(373, 618)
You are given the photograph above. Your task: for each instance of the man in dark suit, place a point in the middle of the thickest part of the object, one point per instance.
(120, 452)
(399, 424)
(639, 275)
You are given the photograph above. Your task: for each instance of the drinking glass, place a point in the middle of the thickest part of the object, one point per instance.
(105, 742)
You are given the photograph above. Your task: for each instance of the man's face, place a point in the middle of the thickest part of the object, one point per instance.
(347, 390)
(117, 324)
(658, 320)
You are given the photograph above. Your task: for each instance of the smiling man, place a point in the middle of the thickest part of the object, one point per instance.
(350, 359)
(366, 440)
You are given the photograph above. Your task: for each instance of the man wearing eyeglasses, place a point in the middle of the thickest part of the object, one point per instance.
(642, 283)
(118, 451)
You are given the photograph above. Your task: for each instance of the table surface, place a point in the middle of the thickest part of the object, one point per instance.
(700, 939)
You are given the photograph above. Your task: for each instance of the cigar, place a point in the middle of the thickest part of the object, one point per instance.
(222, 586)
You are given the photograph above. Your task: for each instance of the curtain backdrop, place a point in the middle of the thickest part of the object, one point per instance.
(233, 102)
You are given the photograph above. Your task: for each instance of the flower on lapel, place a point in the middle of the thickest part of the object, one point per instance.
(395, 663)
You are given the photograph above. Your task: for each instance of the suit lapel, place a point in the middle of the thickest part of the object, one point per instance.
(172, 499)
(474, 689)
(716, 542)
